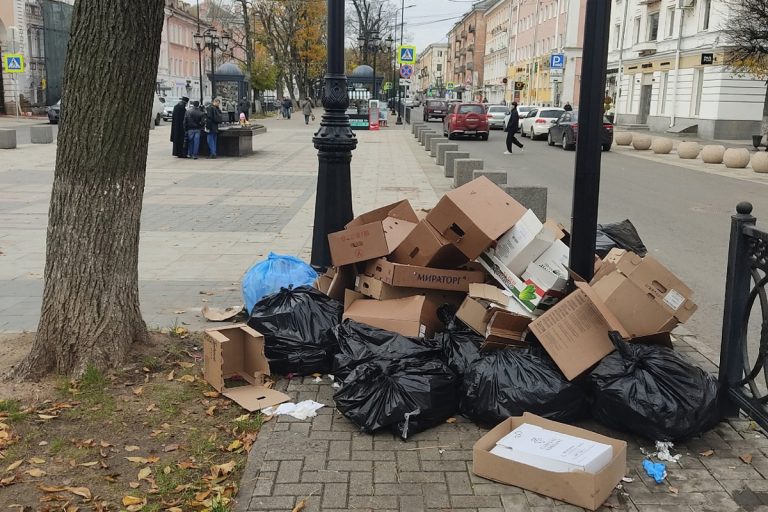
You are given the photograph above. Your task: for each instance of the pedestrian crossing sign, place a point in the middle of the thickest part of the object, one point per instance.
(13, 63)
(406, 55)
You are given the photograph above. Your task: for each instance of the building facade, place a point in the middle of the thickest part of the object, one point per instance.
(496, 60)
(431, 69)
(666, 70)
(466, 53)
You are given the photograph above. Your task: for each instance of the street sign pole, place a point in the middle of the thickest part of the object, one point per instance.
(399, 89)
(586, 184)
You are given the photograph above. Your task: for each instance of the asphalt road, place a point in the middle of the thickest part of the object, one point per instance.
(682, 215)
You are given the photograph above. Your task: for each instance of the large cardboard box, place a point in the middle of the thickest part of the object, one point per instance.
(238, 352)
(425, 247)
(578, 488)
(412, 276)
(474, 215)
(643, 294)
(525, 242)
(575, 331)
(414, 316)
(336, 280)
(373, 234)
(379, 290)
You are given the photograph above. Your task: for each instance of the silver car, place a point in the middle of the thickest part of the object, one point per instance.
(496, 116)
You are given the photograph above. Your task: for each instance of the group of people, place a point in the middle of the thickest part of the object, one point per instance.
(286, 107)
(189, 124)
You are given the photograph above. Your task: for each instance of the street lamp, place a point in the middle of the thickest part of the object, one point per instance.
(334, 141)
(402, 29)
(375, 45)
(211, 40)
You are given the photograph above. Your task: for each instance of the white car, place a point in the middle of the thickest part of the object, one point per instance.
(536, 124)
(497, 116)
(522, 111)
(158, 110)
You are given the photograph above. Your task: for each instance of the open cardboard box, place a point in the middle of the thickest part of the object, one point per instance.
(336, 280)
(379, 290)
(238, 352)
(425, 247)
(414, 316)
(372, 234)
(578, 488)
(524, 242)
(412, 276)
(494, 315)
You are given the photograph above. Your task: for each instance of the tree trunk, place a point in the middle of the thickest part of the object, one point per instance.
(90, 313)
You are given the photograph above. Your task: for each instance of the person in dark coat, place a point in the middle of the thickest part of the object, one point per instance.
(567, 107)
(193, 124)
(178, 134)
(512, 128)
(243, 107)
(214, 117)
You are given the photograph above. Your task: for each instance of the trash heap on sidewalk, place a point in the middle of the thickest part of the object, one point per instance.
(465, 308)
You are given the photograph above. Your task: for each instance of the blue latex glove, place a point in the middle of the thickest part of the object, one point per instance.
(655, 470)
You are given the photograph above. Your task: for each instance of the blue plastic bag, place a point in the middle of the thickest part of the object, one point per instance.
(277, 271)
(655, 470)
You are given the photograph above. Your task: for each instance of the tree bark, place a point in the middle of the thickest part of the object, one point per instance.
(90, 313)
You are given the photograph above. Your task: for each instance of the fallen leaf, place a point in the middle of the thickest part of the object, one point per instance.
(131, 448)
(105, 444)
(134, 485)
(451, 420)
(200, 496)
(83, 492)
(212, 394)
(244, 417)
(35, 473)
(746, 458)
(144, 473)
(111, 478)
(46, 416)
(186, 378)
(209, 411)
(71, 508)
(132, 500)
(234, 445)
(174, 509)
(673, 490)
(187, 465)
(167, 470)
(14, 465)
(171, 375)
(8, 481)
(51, 488)
(37, 460)
(138, 460)
(171, 448)
(707, 453)
(222, 469)
(186, 364)
(138, 391)
(299, 506)
(179, 312)
(152, 407)
(88, 464)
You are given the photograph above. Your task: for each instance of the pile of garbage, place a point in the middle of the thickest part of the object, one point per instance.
(465, 309)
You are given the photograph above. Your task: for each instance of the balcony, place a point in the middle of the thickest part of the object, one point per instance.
(644, 48)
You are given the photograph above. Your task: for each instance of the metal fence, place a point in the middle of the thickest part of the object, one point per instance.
(744, 350)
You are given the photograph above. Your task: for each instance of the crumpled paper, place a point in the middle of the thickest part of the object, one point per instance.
(662, 451)
(300, 411)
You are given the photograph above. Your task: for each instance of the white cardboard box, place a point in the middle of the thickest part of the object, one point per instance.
(555, 259)
(525, 242)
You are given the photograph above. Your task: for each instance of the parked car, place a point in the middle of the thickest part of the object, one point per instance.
(565, 131)
(536, 124)
(497, 116)
(435, 108)
(54, 113)
(168, 107)
(469, 119)
(158, 109)
(522, 111)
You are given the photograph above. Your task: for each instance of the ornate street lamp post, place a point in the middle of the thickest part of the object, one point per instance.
(334, 142)
(210, 39)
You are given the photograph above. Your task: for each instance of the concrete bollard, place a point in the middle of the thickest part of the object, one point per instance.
(450, 156)
(760, 161)
(736, 158)
(688, 150)
(623, 138)
(661, 145)
(420, 130)
(641, 141)
(430, 140)
(497, 177)
(442, 148)
(41, 134)
(8, 139)
(712, 154)
(422, 133)
(433, 145)
(463, 169)
(533, 198)
(416, 125)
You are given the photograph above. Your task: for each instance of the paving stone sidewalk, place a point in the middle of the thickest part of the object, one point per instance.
(329, 463)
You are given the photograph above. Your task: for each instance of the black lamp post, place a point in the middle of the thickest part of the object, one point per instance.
(210, 39)
(334, 142)
(373, 44)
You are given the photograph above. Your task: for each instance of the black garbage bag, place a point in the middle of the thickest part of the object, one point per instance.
(460, 348)
(510, 382)
(603, 244)
(651, 391)
(296, 325)
(624, 235)
(405, 396)
(359, 343)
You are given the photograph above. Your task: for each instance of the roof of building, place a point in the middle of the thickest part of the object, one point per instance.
(362, 71)
(229, 69)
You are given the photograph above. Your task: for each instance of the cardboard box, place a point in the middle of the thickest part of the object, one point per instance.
(525, 242)
(336, 280)
(474, 215)
(238, 352)
(425, 247)
(493, 314)
(555, 259)
(414, 316)
(373, 234)
(643, 294)
(575, 331)
(578, 488)
(412, 276)
(379, 290)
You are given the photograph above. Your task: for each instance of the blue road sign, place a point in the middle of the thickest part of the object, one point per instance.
(13, 63)
(406, 70)
(557, 61)
(406, 55)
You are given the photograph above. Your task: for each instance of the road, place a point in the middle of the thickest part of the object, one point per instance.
(682, 215)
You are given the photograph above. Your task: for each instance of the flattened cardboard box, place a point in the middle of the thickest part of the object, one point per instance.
(414, 316)
(425, 247)
(474, 215)
(578, 488)
(238, 351)
(373, 234)
(413, 276)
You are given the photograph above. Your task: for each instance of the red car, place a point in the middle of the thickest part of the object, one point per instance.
(468, 119)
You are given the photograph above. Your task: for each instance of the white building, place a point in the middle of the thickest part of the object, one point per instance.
(665, 70)
(430, 69)
(497, 21)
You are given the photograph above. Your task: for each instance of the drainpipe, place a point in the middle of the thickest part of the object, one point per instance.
(535, 53)
(514, 52)
(677, 69)
(620, 76)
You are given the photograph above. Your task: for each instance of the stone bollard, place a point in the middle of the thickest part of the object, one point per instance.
(736, 158)
(463, 169)
(420, 130)
(7, 139)
(533, 198)
(416, 125)
(434, 143)
(497, 177)
(688, 150)
(424, 133)
(641, 141)
(450, 156)
(712, 154)
(760, 161)
(661, 145)
(442, 148)
(623, 138)
(42, 134)
(428, 138)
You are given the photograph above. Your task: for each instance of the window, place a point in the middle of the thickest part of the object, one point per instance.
(617, 36)
(439, 54)
(636, 31)
(706, 8)
(671, 21)
(439, 67)
(653, 26)
(663, 92)
(698, 85)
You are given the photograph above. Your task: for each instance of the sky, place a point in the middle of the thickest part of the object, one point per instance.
(428, 21)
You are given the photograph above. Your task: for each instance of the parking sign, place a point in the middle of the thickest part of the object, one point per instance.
(557, 61)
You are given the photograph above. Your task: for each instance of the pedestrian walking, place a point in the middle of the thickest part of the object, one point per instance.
(306, 109)
(231, 109)
(244, 106)
(178, 134)
(193, 124)
(287, 106)
(567, 107)
(513, 125)
(214, 117)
